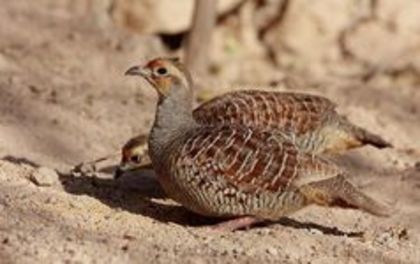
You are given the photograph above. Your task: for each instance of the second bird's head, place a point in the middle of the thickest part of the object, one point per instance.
(166, 75)
(134, 155)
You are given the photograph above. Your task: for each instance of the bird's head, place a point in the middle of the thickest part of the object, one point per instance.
(164, 74)
(134, 155)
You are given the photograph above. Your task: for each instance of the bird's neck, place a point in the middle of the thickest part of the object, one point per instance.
(173, 119)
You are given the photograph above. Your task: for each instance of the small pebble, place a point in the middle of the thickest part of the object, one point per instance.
(124, 248)
(272, 251)
(84, 169)
(44, 176)
(315, 231)
(51, 200)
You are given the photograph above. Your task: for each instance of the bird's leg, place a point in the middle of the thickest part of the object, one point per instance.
(235, 224)
(338, 191)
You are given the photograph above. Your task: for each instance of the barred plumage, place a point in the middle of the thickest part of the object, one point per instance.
(233, 162)
(309, 120)
(292, 112)
(240, 169)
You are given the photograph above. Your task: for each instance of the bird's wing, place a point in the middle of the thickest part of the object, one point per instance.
(249, 159)
(289, 112)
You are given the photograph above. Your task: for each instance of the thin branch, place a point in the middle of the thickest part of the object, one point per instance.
(199, 38)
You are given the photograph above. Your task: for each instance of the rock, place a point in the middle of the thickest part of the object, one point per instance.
(347, 38)
(84, 169)
(272, 251)
(44, 176)
(307, 38)
(164, 16)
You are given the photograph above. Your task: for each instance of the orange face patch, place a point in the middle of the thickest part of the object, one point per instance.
(162, 82)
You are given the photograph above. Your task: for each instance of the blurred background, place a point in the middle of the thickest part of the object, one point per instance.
(64, 100)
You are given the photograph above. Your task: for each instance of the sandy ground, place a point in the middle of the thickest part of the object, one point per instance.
(64, 100)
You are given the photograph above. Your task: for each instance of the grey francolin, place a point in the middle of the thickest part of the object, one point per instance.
(234, 171)
(310, 121)
(134, 155)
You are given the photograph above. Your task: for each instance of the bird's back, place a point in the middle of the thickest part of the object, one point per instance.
(293, 112)
(310, 121)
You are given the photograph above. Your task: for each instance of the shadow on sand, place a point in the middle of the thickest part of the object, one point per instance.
(140, 193)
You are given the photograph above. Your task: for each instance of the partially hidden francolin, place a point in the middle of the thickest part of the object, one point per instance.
(235, 171)
(310, 121)
(134, 155)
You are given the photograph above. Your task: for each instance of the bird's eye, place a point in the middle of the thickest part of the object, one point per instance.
(135, 158)
(161, 71)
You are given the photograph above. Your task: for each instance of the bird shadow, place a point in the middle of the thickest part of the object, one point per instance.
(137, 194)
(140, 193)
(334, 231)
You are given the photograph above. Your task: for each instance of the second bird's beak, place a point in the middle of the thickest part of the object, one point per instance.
(137, 70)
(123, 168)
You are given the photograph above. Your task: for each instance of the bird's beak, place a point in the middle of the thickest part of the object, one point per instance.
(127, 166)
(146, 73)
(137, 70)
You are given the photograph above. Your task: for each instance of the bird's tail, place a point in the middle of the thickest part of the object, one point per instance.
(365, 137)
(338, 191)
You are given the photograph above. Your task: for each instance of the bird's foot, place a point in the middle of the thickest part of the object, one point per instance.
(235, 224)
